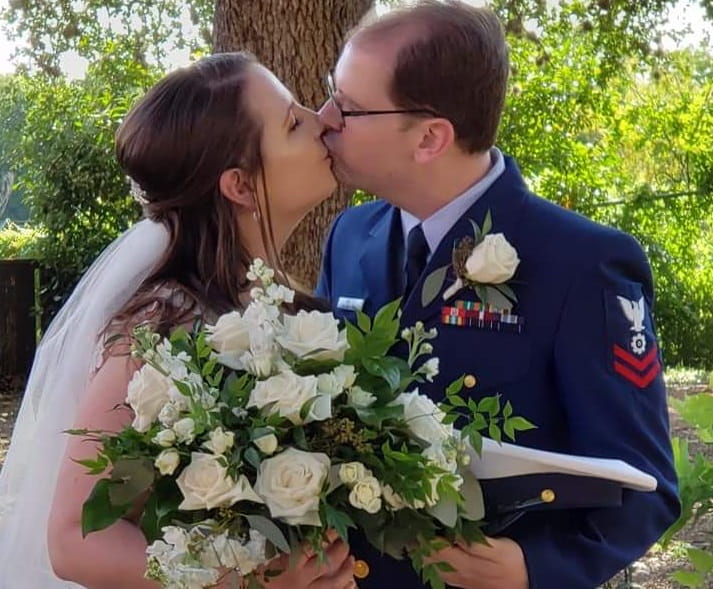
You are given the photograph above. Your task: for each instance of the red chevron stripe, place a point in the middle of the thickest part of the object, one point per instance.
(641, 381)
(629, 358)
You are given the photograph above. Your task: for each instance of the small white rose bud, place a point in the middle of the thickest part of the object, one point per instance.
(165, 438)
(352, 472)
(366, 495)
(267, 444)
(167, 461)
(220, 441)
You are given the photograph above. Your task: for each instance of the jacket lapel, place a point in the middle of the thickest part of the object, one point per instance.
(382, 262)
(504, 200)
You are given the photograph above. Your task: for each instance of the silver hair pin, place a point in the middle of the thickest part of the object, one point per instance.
(137, 192)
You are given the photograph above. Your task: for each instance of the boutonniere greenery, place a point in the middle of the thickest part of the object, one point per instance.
(483, 263)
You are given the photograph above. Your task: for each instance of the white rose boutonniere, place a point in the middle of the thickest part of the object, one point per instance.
(484, 263)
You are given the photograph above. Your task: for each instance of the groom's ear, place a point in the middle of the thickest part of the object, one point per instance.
(236, 186)
(437, 135)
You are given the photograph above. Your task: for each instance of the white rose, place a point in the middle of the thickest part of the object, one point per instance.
(167, 462)
(290, 483)
(220, 441)
(230, 338)
(148, 392)
(358, 397)
(351, 472)
(267, 444)
(205, 484)
(423, 417)
(185, 430)
(492, 261)
(366, 495)
(289, 392)
(165, 438)
(313, 334)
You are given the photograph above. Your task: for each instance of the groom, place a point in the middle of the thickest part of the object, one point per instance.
(567, 334)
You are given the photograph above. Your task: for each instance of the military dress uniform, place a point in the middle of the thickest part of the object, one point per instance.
(576, 354)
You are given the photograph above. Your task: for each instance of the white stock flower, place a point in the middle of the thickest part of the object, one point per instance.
(492, 261)
(205, 484)
(223, 551)
(165, 438)
(173, 365)
(366, 495)
(169, 414)
(443, 456)
(177, 538)
(429, 369)
(147, 393)
(230, 338)
(291, 482)
(313, 334)
(185, 430)
(167, 462)
(351, 472)
(219, 441)
(261, 360)
(393, 500)
(423, 417)
(358, 397)
(289, 392)
(267, 444)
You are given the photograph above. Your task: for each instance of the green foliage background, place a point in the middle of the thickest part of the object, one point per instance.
(599, 117)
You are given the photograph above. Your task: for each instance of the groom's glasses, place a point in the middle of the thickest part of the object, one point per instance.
(331, 90)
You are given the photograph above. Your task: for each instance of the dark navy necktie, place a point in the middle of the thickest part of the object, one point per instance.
(416, 257)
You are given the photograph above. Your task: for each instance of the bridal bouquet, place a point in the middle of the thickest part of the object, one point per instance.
(256, 434)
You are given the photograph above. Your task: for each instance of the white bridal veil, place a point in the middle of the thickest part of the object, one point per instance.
(63, 363)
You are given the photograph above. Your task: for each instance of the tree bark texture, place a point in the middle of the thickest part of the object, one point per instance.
(299, 40)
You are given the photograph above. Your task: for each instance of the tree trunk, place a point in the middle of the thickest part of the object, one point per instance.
(299, 40)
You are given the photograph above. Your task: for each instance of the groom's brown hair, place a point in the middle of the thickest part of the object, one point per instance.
(452, 58)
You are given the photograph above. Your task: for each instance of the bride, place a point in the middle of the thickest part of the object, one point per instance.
(226, 164)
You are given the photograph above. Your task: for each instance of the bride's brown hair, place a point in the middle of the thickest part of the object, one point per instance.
(175, 143)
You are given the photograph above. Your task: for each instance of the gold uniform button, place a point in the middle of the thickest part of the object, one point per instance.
(361, 569)
(470, 381)
(547, 496)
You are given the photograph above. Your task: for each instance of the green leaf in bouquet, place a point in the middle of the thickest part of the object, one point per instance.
(355, 338)
(507, 411)
(95, 466)
(131, 478)
(702, 560)
(388, 368)
(338, 520)
(270, 530)
(433, 284)
(691, 579)
(473, 502)
(363, 321)
(98, 511)
(475, 439)
(252, 456)
(308, 366)
(455, 387)
(495, 433)
(376, 416)
(520, 424)
(298, 435)
(445, 511)
(160, 508)
(386, 321)
(490, 405)
(456, 401)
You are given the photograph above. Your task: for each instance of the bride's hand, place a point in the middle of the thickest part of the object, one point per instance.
(307, 573)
